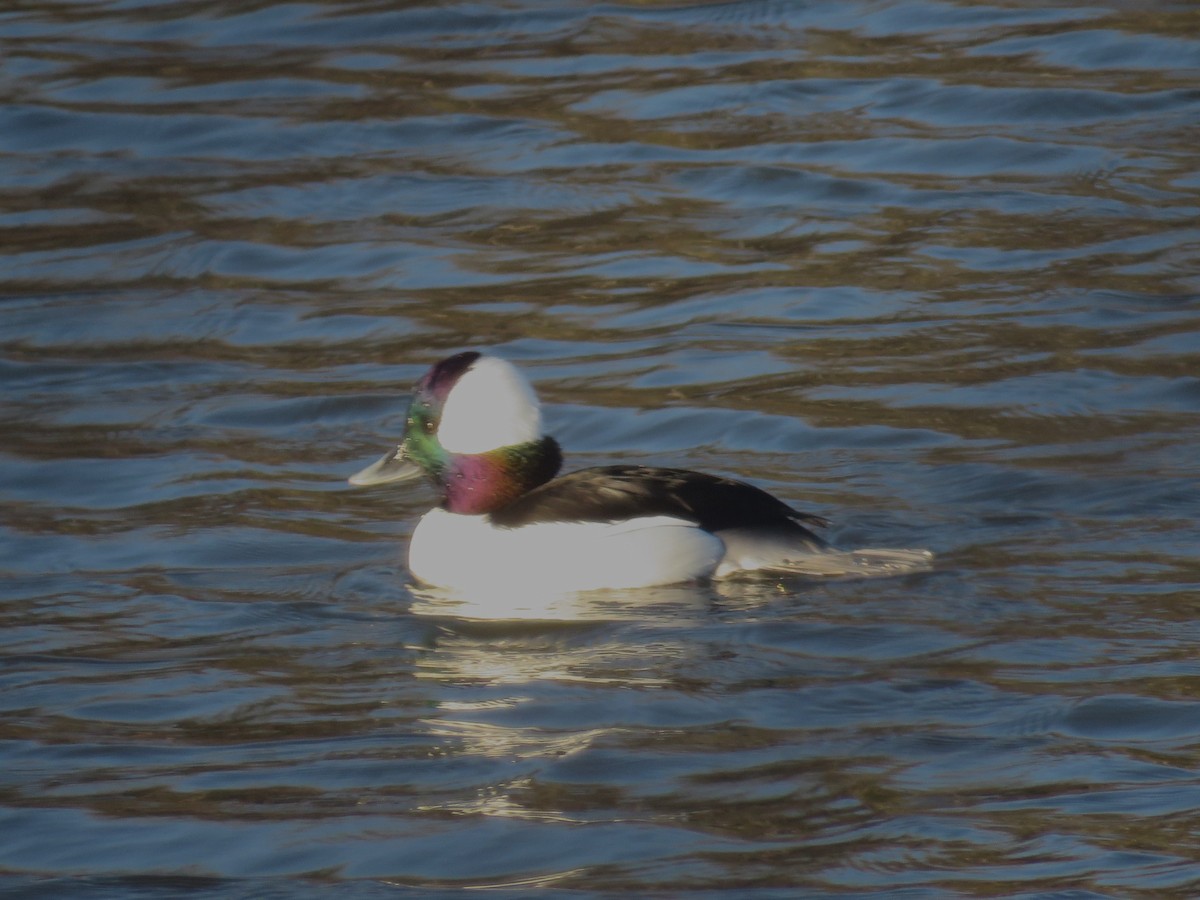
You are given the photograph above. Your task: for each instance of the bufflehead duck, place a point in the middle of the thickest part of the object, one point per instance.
(474, 427)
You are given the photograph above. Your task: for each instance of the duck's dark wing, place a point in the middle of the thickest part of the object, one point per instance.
(615, 493)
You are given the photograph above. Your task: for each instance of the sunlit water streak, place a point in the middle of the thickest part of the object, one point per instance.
(928, 269)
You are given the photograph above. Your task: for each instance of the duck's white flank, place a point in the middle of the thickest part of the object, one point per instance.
(491, 406)
(469, 553)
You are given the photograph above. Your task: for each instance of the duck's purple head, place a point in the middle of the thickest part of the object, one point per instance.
(474, 427)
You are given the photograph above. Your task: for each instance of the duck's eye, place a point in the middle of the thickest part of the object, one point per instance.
(428, 426)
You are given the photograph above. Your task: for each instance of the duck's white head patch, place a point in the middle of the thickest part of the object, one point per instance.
(491, 405)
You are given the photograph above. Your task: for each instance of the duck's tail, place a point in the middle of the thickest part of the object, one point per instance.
(875, 562)
(752, 551)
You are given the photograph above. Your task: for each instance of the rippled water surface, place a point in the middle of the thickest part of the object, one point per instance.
(928, 269)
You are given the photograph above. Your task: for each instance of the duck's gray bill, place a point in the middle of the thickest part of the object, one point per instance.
(393, 466)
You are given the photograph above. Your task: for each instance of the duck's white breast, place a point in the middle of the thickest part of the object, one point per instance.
(469, 553)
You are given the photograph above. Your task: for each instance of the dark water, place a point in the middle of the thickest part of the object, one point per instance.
(929, 269)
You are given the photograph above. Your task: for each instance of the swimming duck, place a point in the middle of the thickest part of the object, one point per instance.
(474, 427)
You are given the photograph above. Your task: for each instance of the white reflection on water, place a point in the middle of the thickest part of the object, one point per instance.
(527, 601)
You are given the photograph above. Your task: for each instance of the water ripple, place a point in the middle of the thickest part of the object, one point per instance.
(926, 268)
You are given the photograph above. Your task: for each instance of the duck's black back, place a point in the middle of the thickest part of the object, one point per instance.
(617, 493)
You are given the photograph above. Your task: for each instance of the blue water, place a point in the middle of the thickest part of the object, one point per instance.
(929, 269)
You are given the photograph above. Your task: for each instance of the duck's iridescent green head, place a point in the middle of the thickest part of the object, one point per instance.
(475, 428)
